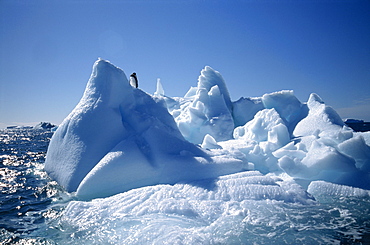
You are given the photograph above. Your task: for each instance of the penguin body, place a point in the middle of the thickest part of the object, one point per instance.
(133, 80)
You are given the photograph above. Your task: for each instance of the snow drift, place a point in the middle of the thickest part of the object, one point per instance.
(119, 138)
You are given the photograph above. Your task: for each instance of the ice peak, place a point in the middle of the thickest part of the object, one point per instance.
(209, 78)
(100, 63)
(159, 91)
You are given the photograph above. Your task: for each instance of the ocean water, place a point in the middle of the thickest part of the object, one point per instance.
(32, 205)
(28, 197)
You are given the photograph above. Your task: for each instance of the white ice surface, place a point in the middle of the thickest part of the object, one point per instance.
(205, 212)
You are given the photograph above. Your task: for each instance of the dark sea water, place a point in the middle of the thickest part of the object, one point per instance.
(29, 198)
(31, 206)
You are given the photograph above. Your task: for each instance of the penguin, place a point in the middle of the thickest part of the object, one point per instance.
(133, 80)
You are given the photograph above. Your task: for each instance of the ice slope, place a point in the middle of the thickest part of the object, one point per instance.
(92, 129)
(119, 138)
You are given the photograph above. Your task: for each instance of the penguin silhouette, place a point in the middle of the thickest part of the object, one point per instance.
(133, 80)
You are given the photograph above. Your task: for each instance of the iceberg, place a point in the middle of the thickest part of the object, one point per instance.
(45, 126)
(133, 139)
(202, 169)
(123, 134)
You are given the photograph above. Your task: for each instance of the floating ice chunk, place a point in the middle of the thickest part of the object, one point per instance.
(320, 118)
(322, 188)
(245, 109)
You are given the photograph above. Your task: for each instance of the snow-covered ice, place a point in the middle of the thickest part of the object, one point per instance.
(188, 165)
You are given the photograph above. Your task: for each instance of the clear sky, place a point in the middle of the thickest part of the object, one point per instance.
(47, 49)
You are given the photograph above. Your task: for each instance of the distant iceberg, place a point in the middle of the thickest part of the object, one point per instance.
(45, 126)
(119, 138)
(40, 126)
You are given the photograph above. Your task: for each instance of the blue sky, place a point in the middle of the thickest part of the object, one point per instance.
(47, 49)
